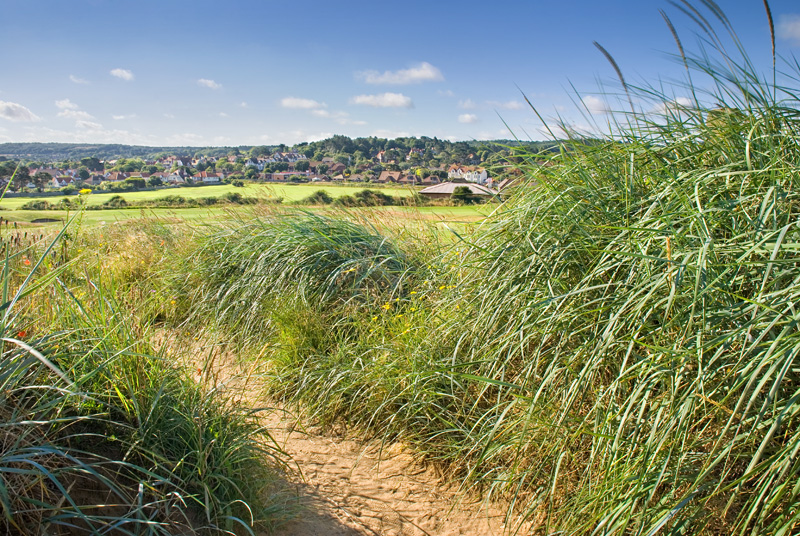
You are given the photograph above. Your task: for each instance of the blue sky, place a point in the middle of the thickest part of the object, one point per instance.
(239, 72)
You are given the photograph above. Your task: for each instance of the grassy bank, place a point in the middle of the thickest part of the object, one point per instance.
(101, 429)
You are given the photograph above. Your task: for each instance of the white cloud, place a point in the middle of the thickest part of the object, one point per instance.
(789, 28)
(467, 104)
(66, 104)
(169, 116)
(243, 104)
(507, 105)
(390, 134)
(223, 114)
(75, 114)
(77, 80)
(88, 125)
(467, 118)
(297, 103)
(594, 105)
(17, 112)
(672, 106)
(70, 110)
(210, 84)
(384, 100)
(424, 72)
(446, 93)
(343, 118)
(121, 117)
(124, 74)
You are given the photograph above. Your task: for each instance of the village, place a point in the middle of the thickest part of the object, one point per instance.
(280, 167)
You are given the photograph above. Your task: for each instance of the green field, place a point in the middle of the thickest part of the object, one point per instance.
(288, 192)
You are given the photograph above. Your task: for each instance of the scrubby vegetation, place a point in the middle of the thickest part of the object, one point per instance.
(167, 201)
(101, 430)
(614, 350)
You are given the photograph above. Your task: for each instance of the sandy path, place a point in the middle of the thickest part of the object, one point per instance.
(348, 488)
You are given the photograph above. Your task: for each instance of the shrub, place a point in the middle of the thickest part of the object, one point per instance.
(36, 204)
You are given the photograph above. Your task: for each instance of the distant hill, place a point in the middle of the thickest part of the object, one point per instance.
(75, 151)
(341, 145)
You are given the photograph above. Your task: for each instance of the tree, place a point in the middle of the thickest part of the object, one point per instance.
(92, 163)
(83, 173)
(135, 183)
(154, 181)
(40, 179)
(322, 169)
(302, 165)
(21, 178)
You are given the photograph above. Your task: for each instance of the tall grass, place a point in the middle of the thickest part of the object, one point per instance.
(635, 330)
(102, 434)
(614, 350)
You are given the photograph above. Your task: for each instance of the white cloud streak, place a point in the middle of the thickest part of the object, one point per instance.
(506, 105)
(594, 105)
(296, 103)
(466, 104)
(384, 100)
(75, 80)
(123, 74)
(66, 104)
(789, 28)
(17, 113)
(424, 72)
(210, 84)
(467, 118)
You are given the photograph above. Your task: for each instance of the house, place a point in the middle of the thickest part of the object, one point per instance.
(389, 176)
(116, 176)
(176, 177)
(446, 189)
(207, 177)
(468, 173)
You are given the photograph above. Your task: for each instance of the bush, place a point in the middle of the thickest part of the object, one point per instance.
(36, 204)
(320, 197)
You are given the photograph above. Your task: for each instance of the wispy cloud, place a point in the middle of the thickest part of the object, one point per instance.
(17, 113)
(121, 117)
(446, 93)
(789, 28)
(301, 104)
(75, 114)
(123, 74)
(384, 100)
(243, 104)
(505, 105)
(466, 104)
(70, 110)
(74, 79)
(223, 114)
(467, 118)
(88, 125)
(343, 118)
(424, 72)
(66, 104)
(672, 107)
(594, 105)
(210, 84)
